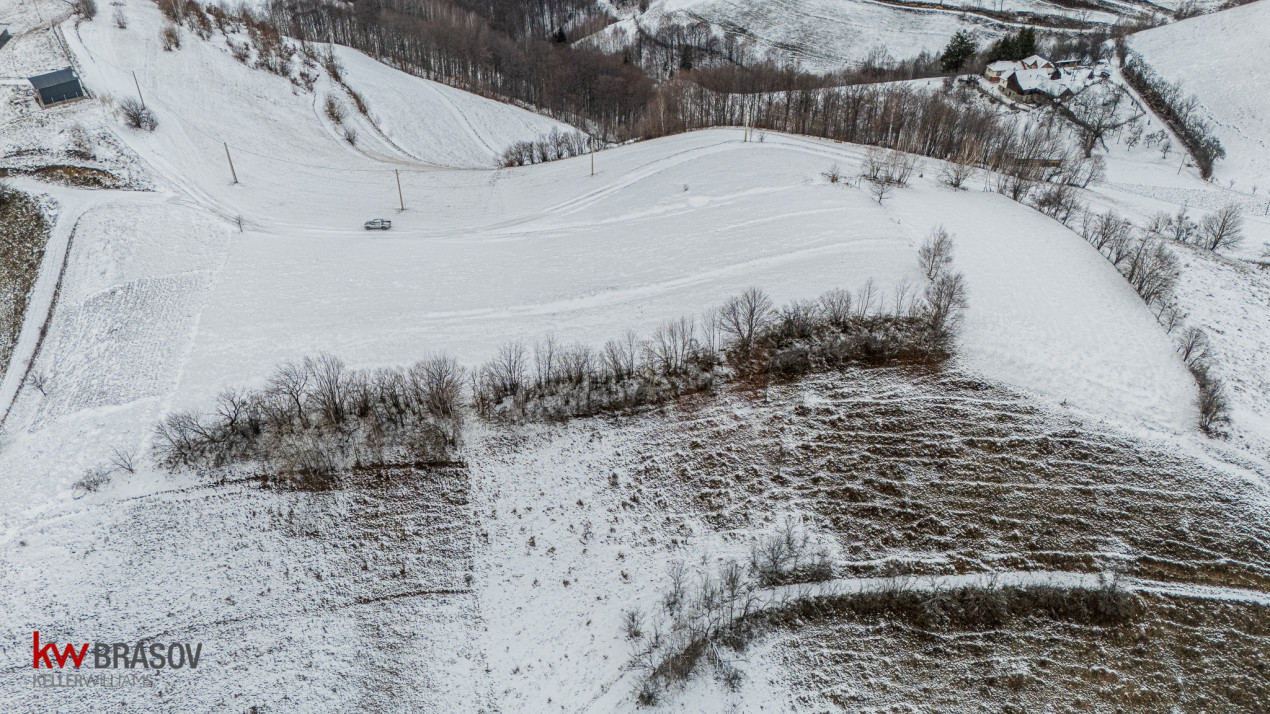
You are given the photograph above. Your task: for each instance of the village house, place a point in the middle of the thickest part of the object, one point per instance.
(1036, 62)
(996, 70)
(1032, 86)
(1036, 80)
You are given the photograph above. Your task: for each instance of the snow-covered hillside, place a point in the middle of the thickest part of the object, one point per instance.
(436, 124)
(500, 583)
(829, 35)
(1218, 58)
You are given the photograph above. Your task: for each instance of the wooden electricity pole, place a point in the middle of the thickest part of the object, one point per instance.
(134, 81)
(232, 172)
(593, 156)
(400, 197)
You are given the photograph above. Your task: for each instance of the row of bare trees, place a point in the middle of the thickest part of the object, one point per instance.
(743, 337)
(548, 147)
(1143, 258)
(316, 416)
(746, 336)
(1222, 228)
(1181, 111)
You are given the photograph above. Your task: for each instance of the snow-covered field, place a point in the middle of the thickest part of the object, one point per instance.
(1230, 86)
(501, 587)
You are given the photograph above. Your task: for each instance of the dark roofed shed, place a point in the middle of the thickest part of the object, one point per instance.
(58, 86)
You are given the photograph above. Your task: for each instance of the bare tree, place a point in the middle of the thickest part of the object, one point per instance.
(1151, 269)
(1224, 228)
(936, 252)
(743, 315)
(711, 333)
(620, 355)
(900, 165)
(835, 305)
(1104, 229)
(507, 370)
(1214, 410)
(672, 344)
(874, 163)
(1098, 110)
(233, 406)
(866, 297)
(331, 387)
(546, 356)
(958, 170)
(577, 363)
(1193, 345)
(289, 384)
(124, 459)
(903, 302)
(945, 301)
(136, 116)
(881, 190)
(443, 379)
(1180, 227)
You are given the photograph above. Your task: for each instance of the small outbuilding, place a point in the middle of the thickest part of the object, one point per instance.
(54, 87)
(4, 35)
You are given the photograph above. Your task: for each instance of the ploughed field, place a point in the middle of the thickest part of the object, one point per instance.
(930, 473)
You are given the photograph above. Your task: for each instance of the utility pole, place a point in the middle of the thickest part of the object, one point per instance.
(400, 197)
(232, 172)
(134, 81)
(593, 156)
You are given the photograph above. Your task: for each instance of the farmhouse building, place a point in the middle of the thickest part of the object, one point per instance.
(1036, 62)
(996, 70)
(60, 86)
(1035, 85)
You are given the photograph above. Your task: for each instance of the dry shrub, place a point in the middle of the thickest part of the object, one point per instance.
(170, 37)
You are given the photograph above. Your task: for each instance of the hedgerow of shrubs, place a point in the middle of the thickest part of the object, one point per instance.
(745, 338)
(317, 417)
